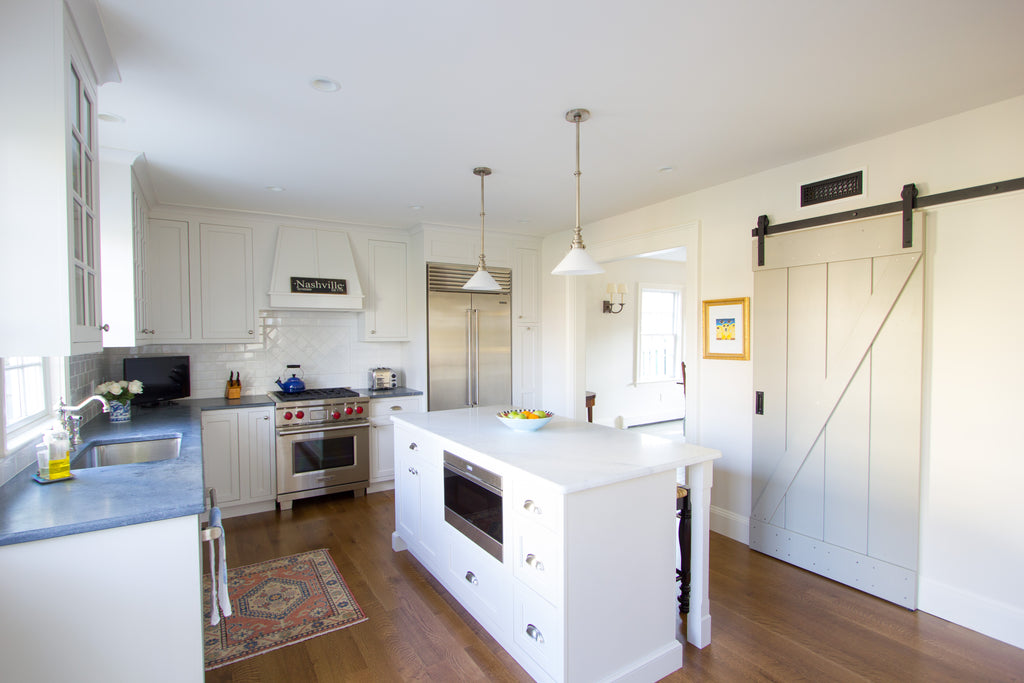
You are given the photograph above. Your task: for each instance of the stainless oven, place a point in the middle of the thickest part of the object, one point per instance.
(323, 446)
(472, 503)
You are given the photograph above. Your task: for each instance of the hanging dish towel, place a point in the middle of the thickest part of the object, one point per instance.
(218, 572)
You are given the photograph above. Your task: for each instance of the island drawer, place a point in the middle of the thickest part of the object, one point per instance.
(483, 584)
(537, 501)
(537, 559)
(538, 629)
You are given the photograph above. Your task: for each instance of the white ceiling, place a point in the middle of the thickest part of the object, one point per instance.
(216, 94)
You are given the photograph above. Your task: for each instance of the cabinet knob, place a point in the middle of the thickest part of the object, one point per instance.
(413, 446)
(535, 633)
(532, 560)
(471, 577)
(530, 506)
(250, 331)
(105, 327)
(373, 331)
(413, 471)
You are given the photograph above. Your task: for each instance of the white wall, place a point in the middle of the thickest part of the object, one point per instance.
(970, 546)
(611, 342)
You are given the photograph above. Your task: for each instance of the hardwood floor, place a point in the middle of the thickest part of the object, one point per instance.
(770, 621)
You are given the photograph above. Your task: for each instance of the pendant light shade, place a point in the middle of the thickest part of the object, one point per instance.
(482, 280)
(577, 261)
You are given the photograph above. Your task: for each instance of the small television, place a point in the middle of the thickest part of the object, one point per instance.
(164, 378)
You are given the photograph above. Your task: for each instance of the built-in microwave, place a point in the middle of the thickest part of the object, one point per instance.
(472, 503)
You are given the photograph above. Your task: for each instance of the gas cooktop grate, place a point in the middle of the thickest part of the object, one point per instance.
(314, 394)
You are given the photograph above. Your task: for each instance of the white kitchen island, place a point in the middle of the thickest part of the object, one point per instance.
(586, 587)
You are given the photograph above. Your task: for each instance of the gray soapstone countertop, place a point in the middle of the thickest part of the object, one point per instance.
(108, 497)
(397, 392)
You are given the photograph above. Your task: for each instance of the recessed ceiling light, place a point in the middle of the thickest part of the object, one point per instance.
(274, 188)
(325, 85)
(666, 169)
(110, 118)
(415, 207)
(523, 220)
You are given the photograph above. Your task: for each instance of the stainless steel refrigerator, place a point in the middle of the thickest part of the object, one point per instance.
(469, 340)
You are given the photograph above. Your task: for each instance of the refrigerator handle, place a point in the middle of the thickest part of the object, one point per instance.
(476, 356)
(469, 356)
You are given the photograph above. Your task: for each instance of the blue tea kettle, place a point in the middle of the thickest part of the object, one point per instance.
(293, 384)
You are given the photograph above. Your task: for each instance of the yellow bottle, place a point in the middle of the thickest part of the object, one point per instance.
(60, 454)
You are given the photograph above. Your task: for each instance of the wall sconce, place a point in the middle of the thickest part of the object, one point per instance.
(616, 297)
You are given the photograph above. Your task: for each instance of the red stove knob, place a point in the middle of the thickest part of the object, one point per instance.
(359, 409)
(300, 415)
(288, 415)
(348, 410)
(335, 415)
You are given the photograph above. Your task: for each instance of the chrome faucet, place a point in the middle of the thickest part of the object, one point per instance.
(72, 423)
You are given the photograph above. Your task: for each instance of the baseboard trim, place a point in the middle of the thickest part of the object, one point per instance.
(728, 523)
(970, 610)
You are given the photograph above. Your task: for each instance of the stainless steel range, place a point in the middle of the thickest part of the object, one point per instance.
(323, 443)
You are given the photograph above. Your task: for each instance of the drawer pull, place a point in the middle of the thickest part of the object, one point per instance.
(413, 471)
(532, 560)
(471, 577)
(530, 506)
(535, 633)
(413, 446)
(396, 407)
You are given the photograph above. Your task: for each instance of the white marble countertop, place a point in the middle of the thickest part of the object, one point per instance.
(571, 455)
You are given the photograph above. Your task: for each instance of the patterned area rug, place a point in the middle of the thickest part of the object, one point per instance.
(278, 603)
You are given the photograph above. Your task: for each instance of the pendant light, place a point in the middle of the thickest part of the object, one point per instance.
(482, 280)
(577, 261)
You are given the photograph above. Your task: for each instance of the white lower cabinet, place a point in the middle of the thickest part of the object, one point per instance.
(419, 498)
(238, 458)
(382, 437)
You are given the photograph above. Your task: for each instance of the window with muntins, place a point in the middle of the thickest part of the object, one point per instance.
(659, 333)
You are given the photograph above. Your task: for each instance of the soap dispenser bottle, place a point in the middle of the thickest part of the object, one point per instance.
(60, 454)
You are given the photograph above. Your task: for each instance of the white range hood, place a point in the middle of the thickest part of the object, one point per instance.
(314, 269)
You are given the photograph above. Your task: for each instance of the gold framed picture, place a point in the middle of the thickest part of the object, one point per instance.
(727, 329)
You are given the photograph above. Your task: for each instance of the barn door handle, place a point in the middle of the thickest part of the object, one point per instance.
(759, 403)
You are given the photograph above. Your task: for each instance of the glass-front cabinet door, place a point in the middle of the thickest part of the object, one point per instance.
(83, 220)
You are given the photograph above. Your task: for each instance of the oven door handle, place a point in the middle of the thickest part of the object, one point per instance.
(310, 430)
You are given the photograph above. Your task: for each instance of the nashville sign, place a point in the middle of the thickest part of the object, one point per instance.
(318, 285)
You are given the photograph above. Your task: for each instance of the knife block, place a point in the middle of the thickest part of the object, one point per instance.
(233, 389)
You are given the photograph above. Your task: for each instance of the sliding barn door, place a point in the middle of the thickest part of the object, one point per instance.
(837, 330)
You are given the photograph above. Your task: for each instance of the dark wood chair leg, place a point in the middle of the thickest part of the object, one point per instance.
(685, 515)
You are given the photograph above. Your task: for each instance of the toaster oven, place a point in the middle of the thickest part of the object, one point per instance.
(383, 378)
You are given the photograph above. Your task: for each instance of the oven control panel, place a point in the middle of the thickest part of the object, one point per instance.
(340, 411)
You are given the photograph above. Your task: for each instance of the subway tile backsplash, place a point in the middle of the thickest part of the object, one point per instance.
(325, 343)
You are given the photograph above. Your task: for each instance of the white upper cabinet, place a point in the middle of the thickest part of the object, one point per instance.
(525, 286)
(225, 265)
(166, 282)
(49, 208)
(123, 214)
(387, 301)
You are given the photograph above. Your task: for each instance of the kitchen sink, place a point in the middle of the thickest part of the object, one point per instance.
(100, 454)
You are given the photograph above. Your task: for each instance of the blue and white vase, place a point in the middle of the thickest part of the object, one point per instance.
(120, 412)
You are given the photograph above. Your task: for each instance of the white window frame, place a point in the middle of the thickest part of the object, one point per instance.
(679, 292)
(30, 427)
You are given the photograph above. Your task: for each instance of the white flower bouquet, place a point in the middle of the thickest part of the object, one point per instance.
(121, 391)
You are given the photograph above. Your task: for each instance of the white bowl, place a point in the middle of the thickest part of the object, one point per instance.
(522, 424)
